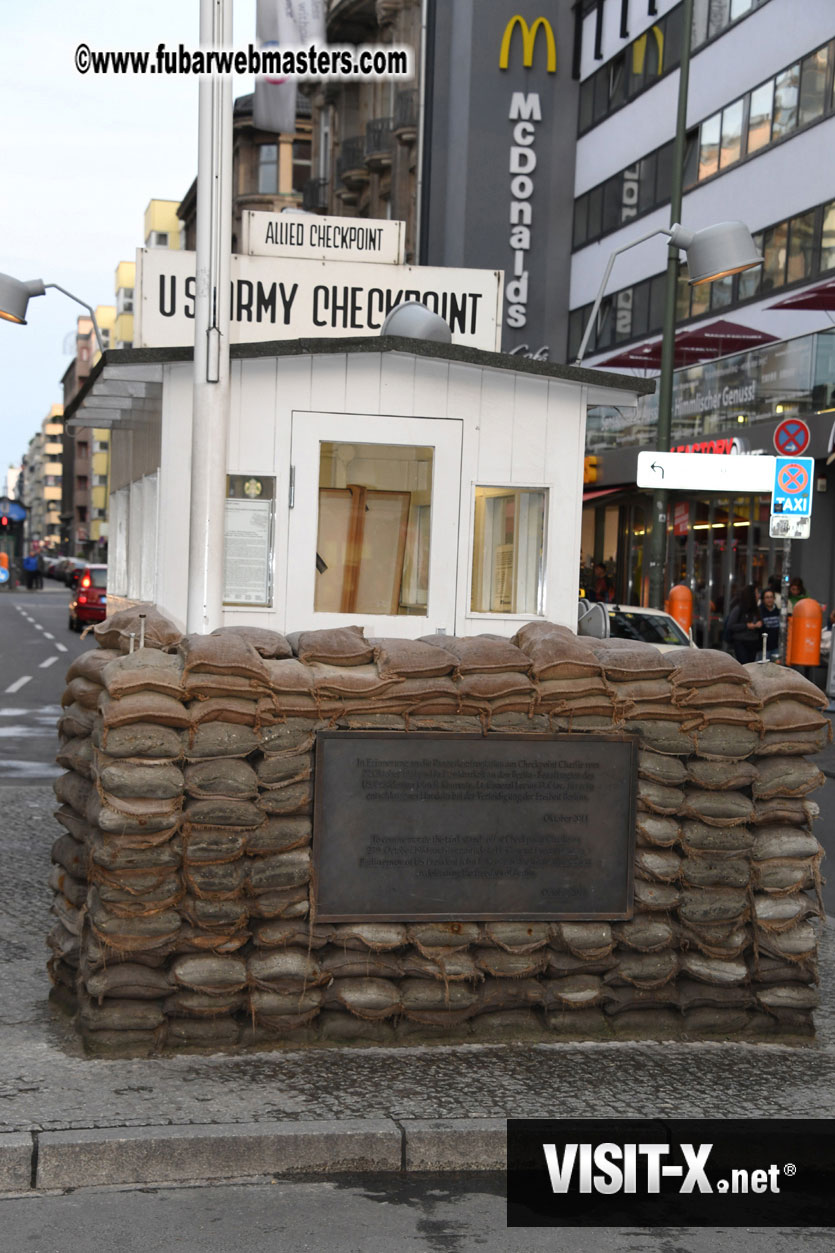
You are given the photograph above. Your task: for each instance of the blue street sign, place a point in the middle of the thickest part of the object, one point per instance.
(4, 575)
(792, 491)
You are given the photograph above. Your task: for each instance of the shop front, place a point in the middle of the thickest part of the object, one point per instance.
(717, 543)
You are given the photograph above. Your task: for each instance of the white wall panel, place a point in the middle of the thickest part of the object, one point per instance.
(431, 384)
(530, 424)
(495, 427)
(362, 382)
(397, 384)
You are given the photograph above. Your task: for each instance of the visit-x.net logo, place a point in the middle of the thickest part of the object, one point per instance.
(681, 1172)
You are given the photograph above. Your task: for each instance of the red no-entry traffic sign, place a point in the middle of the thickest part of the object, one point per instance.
(791, 438)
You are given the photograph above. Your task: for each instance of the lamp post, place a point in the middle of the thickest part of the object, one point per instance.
(15, 296)
(712, 253)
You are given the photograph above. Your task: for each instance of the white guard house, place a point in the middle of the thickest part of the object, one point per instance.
(407, 486)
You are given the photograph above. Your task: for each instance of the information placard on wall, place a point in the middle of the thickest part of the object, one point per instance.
(248, 540)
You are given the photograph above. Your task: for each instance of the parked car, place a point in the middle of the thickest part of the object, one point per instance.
(89, 599)
(632, 622)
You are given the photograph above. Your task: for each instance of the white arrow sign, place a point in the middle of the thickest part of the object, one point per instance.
(705, 472)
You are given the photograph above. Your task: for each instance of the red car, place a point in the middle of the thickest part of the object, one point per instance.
(89, 599)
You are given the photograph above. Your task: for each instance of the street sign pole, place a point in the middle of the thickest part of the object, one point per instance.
(785, 582)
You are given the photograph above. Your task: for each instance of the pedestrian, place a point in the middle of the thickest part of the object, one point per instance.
(743, 629)
(774, 585)
(796, 592)
(770, 615)
(30, 570)
(602, 587)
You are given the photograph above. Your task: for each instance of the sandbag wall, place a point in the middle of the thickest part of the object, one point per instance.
(182, 878)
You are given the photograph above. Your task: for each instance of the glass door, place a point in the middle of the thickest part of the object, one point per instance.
(374, 523)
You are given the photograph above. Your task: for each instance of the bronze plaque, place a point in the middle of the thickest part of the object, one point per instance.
(419, 826)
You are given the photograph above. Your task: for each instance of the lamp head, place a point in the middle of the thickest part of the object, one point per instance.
(414, 321)
(14, 297)
(716, 251)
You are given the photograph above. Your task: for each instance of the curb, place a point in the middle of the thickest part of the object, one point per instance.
(140, 1156)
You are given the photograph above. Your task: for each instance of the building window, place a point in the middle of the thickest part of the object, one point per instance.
(301, 163)
(81, 483)
(508, 550)
(267, 169)
(759, 116)
(653, 54)
(124, 300)
(794, 98)
(158, 239)
(101, 445)
(794, 251)
(82, 448)
(372, 547)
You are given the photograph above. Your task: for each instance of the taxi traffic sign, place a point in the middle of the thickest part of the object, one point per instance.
(792, 491)
(791, 437)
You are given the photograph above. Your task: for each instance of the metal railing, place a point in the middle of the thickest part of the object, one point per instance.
(315, 194)
(351, 155)
(378, 138)
(405, 110)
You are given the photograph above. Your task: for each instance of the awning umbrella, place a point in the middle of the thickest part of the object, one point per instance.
(821, 297)
(701, 343)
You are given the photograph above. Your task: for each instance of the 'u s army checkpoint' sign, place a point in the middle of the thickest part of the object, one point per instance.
(286, 298)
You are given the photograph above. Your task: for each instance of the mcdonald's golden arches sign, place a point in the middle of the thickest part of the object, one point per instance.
(529, 36)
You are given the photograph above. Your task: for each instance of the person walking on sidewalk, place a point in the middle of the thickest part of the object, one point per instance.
(743, 630)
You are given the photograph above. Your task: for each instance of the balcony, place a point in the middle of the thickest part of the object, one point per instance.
(315, 195)
(350, 164)
(406, 116)
(379, 143)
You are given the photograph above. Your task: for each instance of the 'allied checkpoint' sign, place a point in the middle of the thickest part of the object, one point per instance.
(286, 298)
(421, 826)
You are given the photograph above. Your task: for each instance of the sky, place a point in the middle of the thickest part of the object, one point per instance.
(80, 157)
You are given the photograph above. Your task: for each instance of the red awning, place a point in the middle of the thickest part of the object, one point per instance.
(601, 491)
(702, 343)
(820, 297)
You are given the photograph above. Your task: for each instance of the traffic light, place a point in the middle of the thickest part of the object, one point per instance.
(590, 469)
(4, 522)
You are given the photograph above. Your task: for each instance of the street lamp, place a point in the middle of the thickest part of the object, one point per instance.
(15, 296)
(712, 253)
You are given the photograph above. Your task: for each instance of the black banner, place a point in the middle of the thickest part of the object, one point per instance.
(670, 1172)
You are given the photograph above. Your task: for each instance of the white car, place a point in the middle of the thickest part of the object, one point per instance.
(632, 622)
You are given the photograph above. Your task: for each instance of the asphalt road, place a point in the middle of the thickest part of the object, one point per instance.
(37, 648)
(364, 1214)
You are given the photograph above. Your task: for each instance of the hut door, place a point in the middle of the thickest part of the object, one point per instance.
(374, 523)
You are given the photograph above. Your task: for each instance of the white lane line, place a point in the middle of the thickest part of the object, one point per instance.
(38, 626)
(47, 636)
(62, 648)
(17, 685)
(49, 662)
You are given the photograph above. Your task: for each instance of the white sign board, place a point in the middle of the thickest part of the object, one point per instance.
(306, 236)
(704, 472)
(783, 526)
(247, 564)
(288, 299)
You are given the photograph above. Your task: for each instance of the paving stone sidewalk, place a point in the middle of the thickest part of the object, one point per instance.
(66, 1120)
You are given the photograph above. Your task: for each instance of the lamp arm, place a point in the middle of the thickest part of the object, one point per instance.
(661, 230)
(78, 301)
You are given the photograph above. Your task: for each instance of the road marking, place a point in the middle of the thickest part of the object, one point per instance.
(47, 636)
(62, 648)
(38, 626)
(49, 662)
(17, 685)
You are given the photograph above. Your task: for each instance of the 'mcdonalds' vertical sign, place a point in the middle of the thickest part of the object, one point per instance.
(525, 112)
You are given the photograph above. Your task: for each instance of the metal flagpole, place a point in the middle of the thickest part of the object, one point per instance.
(210, 410)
